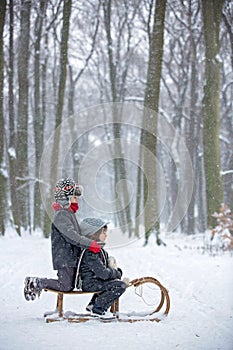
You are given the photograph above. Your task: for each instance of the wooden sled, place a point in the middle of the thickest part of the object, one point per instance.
(162, 307)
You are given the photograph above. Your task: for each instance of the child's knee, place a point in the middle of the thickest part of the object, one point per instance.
(123, 285)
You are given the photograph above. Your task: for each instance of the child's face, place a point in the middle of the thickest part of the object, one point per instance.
(103, 235)
(74, 199)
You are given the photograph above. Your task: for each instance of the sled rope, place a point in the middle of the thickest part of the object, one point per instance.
(139, 292)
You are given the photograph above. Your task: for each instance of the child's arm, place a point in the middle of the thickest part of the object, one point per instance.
(95, 264)
(71, 232)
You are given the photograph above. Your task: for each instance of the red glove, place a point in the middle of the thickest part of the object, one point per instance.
(94, 247)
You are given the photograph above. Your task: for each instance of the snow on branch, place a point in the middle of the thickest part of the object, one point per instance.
(226, 172)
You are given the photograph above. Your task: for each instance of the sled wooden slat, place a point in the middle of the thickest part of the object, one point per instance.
(163, 303)
(59, 305)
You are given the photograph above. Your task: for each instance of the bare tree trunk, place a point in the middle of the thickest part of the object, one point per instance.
(2, 136)
(201, 195)
(61, 94)
(227, 18)
(39, 118)
(151, 101)
(46, 222)
(212, 11)
(191, 132)
(62, 84)
(12, 126)
(228, 176)
(22, 135)
(124, 212)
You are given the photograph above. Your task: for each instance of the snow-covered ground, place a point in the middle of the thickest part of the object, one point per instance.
(200, 287)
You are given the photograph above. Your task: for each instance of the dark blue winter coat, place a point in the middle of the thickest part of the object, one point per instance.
(94, 270)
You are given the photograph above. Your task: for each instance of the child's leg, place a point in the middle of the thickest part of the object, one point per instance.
(111, 291)
(91, 303)
(65, 281)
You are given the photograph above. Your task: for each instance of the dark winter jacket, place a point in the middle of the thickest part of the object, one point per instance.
(66, 239)
(94, 270)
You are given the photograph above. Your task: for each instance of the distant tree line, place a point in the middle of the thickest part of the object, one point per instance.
(174, 57)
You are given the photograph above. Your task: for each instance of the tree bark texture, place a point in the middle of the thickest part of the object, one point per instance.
(120, 173)
(12, 126)
(39, 117)
(151, 101)
(3, 181)
(212, 11)
(22, 134)
(54, 171)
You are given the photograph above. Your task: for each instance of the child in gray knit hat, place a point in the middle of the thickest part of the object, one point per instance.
(95, 271)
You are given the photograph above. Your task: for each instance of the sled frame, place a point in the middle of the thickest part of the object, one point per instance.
(164, 303)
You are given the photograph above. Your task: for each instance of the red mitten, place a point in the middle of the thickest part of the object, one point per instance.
(94, 247)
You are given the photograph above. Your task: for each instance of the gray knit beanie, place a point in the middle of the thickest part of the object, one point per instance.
(90, 226)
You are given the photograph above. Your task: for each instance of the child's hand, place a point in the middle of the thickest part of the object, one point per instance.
(126, 280)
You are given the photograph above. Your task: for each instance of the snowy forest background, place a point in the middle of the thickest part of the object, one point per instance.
(58, 58)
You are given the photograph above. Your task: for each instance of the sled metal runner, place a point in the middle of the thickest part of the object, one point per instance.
(163, 304)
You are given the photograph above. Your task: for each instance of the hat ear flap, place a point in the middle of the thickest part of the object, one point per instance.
(64, 203)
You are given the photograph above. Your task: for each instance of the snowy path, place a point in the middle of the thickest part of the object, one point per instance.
(200, 288)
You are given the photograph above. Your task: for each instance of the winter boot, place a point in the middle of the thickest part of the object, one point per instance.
(91, 302)
(102, 313)
(32, 288)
